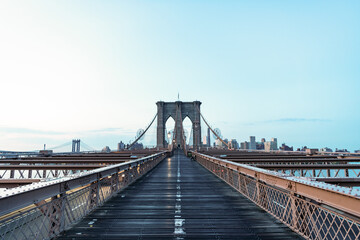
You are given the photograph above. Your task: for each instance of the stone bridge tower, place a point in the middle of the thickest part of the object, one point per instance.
(178, 111)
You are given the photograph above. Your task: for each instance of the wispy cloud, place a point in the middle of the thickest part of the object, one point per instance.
(284, 120)
(289, 120)
(111, 131)
(28, 131)
(11, 131)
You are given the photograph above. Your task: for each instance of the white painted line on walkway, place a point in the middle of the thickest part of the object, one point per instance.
(178, 221)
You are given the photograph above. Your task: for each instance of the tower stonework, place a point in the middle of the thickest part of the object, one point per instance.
(178, 111)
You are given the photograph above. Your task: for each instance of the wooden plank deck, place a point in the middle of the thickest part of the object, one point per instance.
(179, 199)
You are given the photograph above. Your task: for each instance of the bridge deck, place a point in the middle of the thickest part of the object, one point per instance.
(179, 199)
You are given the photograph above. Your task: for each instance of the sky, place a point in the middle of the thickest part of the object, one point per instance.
(94, 70)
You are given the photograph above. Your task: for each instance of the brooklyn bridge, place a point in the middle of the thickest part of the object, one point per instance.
(177, 191)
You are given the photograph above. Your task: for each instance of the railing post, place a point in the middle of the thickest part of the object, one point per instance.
(53, 212)
(115, 183)
(257, 186)
(94, 195)
(294, 214)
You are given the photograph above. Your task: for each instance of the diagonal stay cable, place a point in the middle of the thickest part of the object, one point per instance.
(218, 137)
(137, 139)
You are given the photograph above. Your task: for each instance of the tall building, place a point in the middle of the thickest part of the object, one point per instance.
(206, 139)
(267, 146)
(121, 146)
(272, 145)
(260, 146)
(252, 144)
(244, 145)
(234, 144)
(219, 144)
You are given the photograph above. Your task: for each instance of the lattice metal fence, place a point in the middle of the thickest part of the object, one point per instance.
(304, 216)
(50, 217)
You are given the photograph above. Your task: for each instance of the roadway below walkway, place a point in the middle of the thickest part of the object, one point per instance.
(179, 199)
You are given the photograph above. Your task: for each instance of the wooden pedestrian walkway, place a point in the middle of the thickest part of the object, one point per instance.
(179, 199)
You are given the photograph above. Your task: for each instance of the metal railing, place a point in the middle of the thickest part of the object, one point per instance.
(49, 209)
(313, 210)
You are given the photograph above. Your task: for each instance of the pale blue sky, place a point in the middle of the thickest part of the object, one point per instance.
(94, 69)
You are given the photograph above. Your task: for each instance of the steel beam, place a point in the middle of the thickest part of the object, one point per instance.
(292, 160)
(10, 183)
(51, 167)
(308, 166)
(61, 161)
(348, 182)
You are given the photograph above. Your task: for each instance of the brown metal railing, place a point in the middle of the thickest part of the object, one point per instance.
(311, 211)
(60, 205)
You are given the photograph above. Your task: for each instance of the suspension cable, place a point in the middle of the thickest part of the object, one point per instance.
(60, 146)
(87, 147)
(218, 137)
(137, 139)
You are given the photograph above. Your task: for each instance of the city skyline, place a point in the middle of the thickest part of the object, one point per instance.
(94, 71)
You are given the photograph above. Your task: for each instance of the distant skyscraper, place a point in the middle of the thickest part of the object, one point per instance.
(219, 144)
(204, 142)
(208, 138)
(272, 145)
(252, 144)
(244, 145)
(234, 144)
(121, 146)
(267, 146)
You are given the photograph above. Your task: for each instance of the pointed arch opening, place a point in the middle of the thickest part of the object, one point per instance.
(169, 129)
(188, 125)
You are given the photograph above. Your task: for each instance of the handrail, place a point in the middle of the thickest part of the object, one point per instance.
(19, 197)
(314, 210)
(342, 198)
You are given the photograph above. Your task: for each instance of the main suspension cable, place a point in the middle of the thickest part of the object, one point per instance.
(137, 139)
(218, 137)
